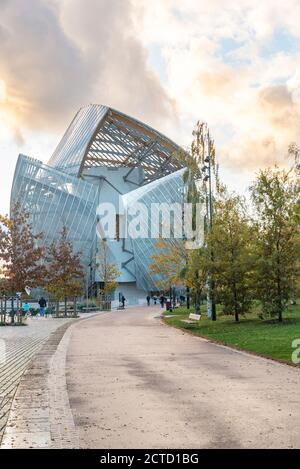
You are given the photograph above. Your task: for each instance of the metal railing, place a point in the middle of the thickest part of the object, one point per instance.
(11, 312)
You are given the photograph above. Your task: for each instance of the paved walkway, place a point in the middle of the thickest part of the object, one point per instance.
(18, 347)
(125, 380)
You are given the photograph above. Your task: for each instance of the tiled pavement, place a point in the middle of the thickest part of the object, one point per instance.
(20, 344)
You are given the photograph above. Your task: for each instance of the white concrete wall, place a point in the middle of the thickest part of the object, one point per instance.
(111, 185)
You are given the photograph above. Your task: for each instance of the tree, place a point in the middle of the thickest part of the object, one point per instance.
(202, 168)
(21, 254)
(64, 270)
(197, 192)
(108, 272)
(196, 273)
(232, 264)
(176, 265)
(169, 262)
(275, 195)
(294, 153)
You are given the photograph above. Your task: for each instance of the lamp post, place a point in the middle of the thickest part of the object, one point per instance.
(12, 312)
(174, 297)
(87, 291)
(197, 294)
(89, 277)
(170, 293)
(185, 199)
(207, 170)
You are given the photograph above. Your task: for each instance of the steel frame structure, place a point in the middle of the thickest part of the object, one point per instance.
(101, 136)
(65, 192)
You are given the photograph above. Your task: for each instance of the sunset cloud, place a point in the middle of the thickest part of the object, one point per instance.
(58, 56)
(234, 65)
(167, 62)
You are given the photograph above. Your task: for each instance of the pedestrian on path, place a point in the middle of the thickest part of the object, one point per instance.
(148, 300)
(26, 308)
(123, 301)
(43, 304)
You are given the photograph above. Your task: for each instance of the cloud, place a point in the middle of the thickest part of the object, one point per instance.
(277, 105)
(57, 56)
(234, 65)
(42, 70)
(262, 130)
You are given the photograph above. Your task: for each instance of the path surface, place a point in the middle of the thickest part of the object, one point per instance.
(135, 382)
(18, 345)
(125, 380)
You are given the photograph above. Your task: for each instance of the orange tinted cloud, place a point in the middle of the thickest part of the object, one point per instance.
(58, 56)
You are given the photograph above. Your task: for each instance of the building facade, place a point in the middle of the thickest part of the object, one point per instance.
(105, 157)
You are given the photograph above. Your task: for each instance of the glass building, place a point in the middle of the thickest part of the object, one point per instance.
(105, 157)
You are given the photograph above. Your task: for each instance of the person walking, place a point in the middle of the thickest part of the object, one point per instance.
(43, 304)
(148, 300)
(25, 308)
(123, 301)
(162, 301)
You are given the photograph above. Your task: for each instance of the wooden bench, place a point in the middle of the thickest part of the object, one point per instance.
(194, 316)
(61, 313)
(86, 309)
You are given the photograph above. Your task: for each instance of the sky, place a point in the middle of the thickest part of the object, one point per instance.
(169, 63)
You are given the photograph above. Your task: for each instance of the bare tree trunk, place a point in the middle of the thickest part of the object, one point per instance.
(12, 314)
(279, 293)
(21, 312)
(75, 307)
(5, 309)
(65, 307)
(188, 297)
(2, 312)
(198, 293)
(235, 304)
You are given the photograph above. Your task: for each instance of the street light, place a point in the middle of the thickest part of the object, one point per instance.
(185, 199)
(170, 292)
(206, 178)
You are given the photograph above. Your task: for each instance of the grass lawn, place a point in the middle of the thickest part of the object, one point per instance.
(264, 337)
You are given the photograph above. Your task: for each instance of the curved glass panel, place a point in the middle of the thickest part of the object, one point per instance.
(70, 151)
(164, 193)
(55, 199)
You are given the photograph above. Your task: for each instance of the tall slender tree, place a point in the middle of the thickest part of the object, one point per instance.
(169, 263)
(275, 195)
(202, 178)
(65, 272)
(196, 274)
(108, 272)
(232, 264)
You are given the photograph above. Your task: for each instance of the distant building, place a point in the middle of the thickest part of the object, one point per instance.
(104, 157)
